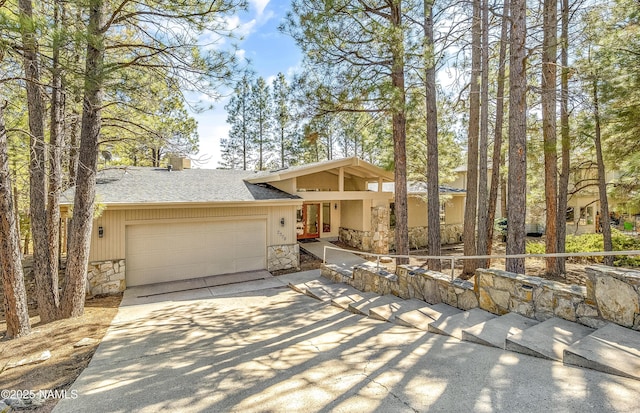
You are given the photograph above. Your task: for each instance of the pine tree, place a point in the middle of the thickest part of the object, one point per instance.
(261, 124)
(236, 148)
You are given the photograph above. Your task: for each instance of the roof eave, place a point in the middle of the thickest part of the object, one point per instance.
(338, 163)
(199, 204)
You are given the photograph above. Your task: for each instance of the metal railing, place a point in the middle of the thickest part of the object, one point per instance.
(455, 258)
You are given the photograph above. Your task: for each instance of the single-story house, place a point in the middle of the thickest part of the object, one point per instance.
(165, 224)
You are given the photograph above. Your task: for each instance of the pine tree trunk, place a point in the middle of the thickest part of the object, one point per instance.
(15, 297)
(76, 116)
(471, 204)
(563, 185)
(517, 184)
(82, 220)
(56, 142)
(46, 282)
(602, 180)
(483, 143)
(497, 159)
(433, 180)
(399, 122)
(548, 100)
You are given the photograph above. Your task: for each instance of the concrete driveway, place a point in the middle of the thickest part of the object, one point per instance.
(260, 347)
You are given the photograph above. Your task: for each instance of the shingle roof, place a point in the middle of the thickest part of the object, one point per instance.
(133, 185)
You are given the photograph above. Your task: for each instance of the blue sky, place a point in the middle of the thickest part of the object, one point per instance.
(268, 51)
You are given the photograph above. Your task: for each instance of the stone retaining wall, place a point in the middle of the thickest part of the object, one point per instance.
(501, 292)
(611, 294)
(409, 282)
(106, 277)
(283, 257)
(435, 287)
(615, 292)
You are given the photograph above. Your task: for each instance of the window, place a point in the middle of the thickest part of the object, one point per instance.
(326, 217)
(586, 215)
(570, 214)
(442, 209)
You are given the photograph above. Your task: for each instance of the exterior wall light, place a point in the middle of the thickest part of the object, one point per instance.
(100, 232)
(282, 222)
(335, 206)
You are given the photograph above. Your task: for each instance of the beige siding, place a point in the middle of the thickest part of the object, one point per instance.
(326, 181)
(114, 222)
(278, 234)
(182, 213)
(111, 245)
(454, 210)
(321, 181)
(288, 185)
(355, 184)
(417, 212)
(460, 181)
(356, 214)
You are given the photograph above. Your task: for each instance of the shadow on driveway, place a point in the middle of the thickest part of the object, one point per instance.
(274, 350)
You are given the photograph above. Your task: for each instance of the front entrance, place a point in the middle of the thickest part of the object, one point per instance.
(308, 225)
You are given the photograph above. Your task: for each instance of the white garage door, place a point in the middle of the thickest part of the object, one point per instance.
(179, 251)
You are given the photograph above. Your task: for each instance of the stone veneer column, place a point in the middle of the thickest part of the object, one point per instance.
(380, 229)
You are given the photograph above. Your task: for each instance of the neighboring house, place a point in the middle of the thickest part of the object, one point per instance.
(583, 205)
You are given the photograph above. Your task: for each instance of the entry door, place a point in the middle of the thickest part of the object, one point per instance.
(310, 221)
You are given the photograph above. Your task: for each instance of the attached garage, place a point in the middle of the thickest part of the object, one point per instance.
(179, 251)
(158, 225)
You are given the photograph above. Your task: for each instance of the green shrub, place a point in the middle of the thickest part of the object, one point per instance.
(535, 247)
(594, 243)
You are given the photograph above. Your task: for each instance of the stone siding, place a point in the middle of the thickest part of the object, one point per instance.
(106, 277)
(449, 234)
(283, 257)
(356, 238)
(368, 241)
(380, 226)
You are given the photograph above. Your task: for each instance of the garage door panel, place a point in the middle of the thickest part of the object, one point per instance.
(178, 251)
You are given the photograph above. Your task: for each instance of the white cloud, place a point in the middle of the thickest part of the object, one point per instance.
(212, 127)
(258, 5)
(270, 79)
(292, 71)
(238, 27)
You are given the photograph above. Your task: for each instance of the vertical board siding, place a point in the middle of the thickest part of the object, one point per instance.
(111, 245)
(114, 222)
(278, 234)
